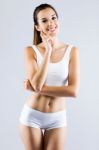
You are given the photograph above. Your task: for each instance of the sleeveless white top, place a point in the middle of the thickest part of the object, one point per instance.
(57, 72)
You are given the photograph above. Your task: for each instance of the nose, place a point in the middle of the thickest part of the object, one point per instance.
(50, 22)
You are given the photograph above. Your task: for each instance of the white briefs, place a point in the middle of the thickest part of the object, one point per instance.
(37, 119)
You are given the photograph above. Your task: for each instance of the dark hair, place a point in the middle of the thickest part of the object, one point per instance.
(37, 39)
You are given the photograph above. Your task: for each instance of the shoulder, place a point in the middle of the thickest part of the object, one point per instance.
(29, 51)
(74, 51)
(73, 48)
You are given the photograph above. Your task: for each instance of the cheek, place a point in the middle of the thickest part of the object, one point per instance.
(57, 21)
(58, 24)
(42, 26)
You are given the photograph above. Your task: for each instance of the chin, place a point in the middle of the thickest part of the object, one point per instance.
(53, 34)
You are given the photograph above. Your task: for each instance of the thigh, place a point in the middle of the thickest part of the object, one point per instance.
(55, 138)
(32, 138)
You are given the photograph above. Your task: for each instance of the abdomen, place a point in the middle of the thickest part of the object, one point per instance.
(46, 103)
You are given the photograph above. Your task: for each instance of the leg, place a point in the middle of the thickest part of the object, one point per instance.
(54, 139)
(32, 137)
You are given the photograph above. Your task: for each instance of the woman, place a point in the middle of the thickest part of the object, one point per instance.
(53, 74)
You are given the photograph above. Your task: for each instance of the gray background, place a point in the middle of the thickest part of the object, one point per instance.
(79, 26)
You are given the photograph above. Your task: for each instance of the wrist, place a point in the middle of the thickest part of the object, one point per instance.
(44, 89)
(49, 50)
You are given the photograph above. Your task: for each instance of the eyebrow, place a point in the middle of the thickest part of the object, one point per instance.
(45, 18)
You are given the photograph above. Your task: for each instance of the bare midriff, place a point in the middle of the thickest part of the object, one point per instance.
(46, 103)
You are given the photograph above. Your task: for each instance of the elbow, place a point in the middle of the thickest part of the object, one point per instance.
(75, 92)
(37, 87)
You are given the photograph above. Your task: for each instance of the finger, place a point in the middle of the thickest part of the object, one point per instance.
(44, 35)
(26, 80)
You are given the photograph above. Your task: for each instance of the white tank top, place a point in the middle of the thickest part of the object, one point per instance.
(57, 72)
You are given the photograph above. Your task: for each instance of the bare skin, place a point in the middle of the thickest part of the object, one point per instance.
(46, 98)
(46, 103)
(36, 140)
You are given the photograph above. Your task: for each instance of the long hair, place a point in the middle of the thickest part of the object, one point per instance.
(37, 39)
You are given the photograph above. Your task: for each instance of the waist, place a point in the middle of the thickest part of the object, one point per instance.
(46, 103)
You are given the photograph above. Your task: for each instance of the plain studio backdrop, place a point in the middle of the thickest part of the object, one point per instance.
(79, 21)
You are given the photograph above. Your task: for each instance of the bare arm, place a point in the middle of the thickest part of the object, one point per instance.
(73, 80)
(36, 74)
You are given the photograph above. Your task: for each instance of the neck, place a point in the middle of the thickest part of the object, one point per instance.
(55, 42)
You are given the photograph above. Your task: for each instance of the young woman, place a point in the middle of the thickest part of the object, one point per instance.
(52, 75)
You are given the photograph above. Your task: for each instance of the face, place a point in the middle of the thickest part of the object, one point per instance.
(48, 22)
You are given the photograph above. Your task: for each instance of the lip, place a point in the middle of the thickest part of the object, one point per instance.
(52, 29)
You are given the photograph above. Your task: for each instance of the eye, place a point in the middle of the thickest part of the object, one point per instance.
(53, 18)
(44, 21)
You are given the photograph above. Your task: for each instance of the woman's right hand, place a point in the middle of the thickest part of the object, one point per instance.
(47, 41)
(27, 85)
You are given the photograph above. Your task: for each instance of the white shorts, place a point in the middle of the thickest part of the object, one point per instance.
(37, 119)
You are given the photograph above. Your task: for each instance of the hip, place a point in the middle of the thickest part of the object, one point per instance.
(34, 118)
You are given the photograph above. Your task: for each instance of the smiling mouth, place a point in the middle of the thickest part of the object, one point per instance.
(52, 29)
